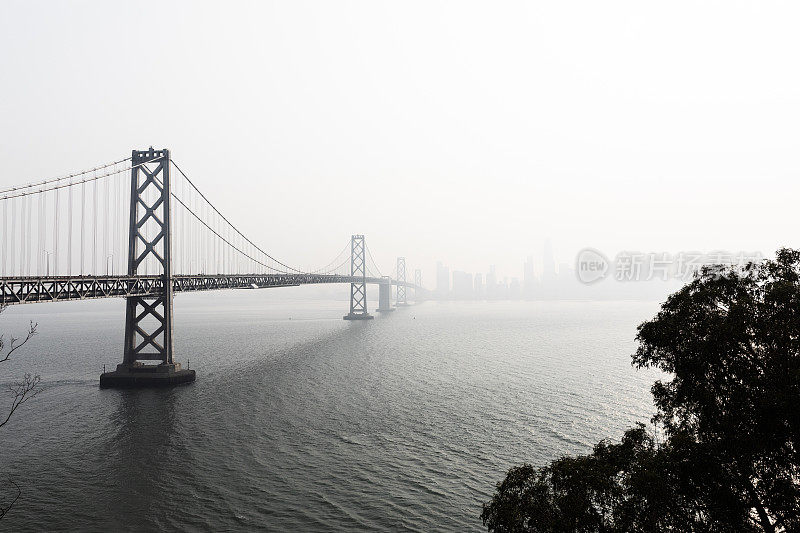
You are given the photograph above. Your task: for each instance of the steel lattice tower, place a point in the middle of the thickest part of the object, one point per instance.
(148, 319)
(150, 237)
(358, 290)
(401, 279)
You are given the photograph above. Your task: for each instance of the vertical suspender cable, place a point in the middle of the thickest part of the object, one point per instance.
(119, 234)
(190, 236)
(106, 226)
(29, 233)
(201, 244)
(197, 235)
(192, 244)
(40, 220)
(13, 235)
(117, 239)
(185, 245)
(55, 235)
(69, 233)
(23, 266)
(23, 234)
(205, 239)
(94, 228)
(5, 240)
(179, 230)
(172, 210)
(83, 225)
(200, 237)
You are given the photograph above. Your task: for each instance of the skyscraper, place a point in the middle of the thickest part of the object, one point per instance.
(548, 264)
(528, 278)
(462, 286)
(479, 289)
(491, 283)
(442, 280)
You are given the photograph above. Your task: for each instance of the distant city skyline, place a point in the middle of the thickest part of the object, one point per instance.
(549, 279)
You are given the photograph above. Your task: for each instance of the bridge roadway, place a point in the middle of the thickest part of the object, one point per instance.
(20, 290)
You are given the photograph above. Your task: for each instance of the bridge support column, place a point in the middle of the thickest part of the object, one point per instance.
(385, 296)
(148, 321)
(358, 291)
(401, 299)
(417, 286)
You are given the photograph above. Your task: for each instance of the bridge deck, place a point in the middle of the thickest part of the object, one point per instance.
(19, 290)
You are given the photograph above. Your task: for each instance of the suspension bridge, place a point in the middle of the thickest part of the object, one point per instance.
(139, 228)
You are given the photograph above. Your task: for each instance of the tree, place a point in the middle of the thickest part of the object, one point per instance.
(730, 456)
(21, 391)
(638, 484)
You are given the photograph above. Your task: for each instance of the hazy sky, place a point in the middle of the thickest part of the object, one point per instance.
(457, 131)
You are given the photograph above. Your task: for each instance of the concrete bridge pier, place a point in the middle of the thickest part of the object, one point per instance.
(385, 296)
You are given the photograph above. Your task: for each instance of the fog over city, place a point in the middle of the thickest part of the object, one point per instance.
(443, 131)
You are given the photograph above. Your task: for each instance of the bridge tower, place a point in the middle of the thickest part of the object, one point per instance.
(417, 285)
(148, 320)
(358, 290)
(400, 299)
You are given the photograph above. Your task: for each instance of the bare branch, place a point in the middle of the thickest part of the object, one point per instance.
(13, 345)
(22, 391)
(6, 507)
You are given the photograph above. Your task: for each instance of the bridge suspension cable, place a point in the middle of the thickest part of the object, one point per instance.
(69, 176)
(78, 225)
(198, 207)
(337, 259)
(42, 236)
(374, 264)
(50, 187)
(232, 227)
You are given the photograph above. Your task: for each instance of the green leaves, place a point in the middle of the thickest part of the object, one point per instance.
(731, 457)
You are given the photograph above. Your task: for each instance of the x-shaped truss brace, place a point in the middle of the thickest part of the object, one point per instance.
(148, 324)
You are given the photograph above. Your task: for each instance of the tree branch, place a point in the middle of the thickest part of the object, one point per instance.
(23, 391)
(14, 346)
(5, 508)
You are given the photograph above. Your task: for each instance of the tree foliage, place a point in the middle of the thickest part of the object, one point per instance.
(729, 459)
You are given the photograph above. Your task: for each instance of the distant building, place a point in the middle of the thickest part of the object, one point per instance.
(480, 291)
(548, 264)
(442, 280)
(491, 283)
(528, 279)
(462, 286)
(515, 289)
(502, 289)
